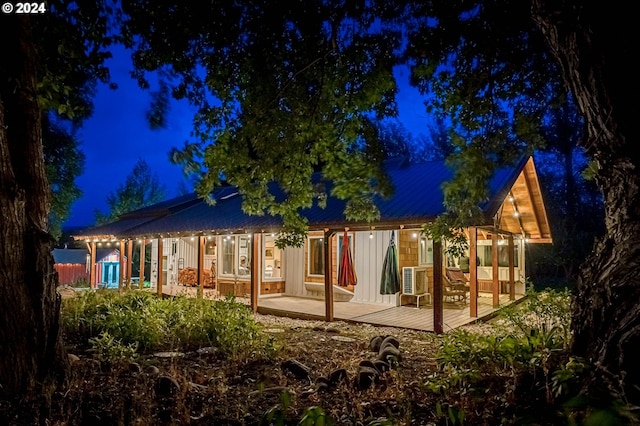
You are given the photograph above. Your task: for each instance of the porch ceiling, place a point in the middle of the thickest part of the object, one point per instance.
(523, 211)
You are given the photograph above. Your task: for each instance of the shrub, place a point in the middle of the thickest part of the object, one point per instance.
(106, 348)
(142, 319)
(526, 353)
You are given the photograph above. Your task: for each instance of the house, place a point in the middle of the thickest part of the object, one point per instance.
(241, 257)
(74, 265)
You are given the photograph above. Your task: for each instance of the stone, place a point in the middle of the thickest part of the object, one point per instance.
(389, 354)
(134, 367)
(366, 377)
(375, 342)
(152, 370)
(298, 369)
(338, 375)
(390, 340)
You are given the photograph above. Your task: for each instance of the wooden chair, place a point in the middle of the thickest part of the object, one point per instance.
(457, 279)
(452, 291)
(457, 276)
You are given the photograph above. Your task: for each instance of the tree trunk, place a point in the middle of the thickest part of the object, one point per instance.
(31, 350)
(593, 43)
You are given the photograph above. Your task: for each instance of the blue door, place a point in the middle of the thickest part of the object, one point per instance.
(110, 273)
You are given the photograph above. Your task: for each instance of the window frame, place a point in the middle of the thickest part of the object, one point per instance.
(309, 260)
(275, 258)
(424, 260)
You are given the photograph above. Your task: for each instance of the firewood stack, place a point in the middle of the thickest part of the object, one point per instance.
(189, 276)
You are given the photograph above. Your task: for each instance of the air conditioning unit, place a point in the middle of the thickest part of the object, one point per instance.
(414, 280)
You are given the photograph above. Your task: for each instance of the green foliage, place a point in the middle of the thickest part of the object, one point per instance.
(528, 344)
(108, 349)
(565, 380)
(156, 115)
(444, 229)
(81, 283)
(312, 416)
(484, 70)
(451, 414)
(140, 318)
(277, 415)
(141, 188)
(303, 120)
(71, 43)
(64, 162)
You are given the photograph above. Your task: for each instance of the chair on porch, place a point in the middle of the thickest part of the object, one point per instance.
(452, 294)
(456, 284)
(458, 278)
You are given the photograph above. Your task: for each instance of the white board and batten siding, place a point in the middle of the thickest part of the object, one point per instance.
(185, 256)
(368, 256)
(294, 264)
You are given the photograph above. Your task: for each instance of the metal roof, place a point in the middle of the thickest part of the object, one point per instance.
(67, 255)
(417, 198)
(70, 255)
(132, 220)
(226, 216)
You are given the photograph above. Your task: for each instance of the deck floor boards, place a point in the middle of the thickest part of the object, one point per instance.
(401, 316)
(407, 316)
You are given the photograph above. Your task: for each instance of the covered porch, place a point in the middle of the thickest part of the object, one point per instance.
(411, 317)
(405, 316)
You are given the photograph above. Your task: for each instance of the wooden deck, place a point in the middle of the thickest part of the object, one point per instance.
(407, 316)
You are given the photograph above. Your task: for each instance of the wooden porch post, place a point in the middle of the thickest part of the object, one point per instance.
(142, 264)
(129, 262)
(159, 269)
(473, 272)
(200, 267)
(494, 270)
(512, 272)
(122, 266)
(92, 264)
(438, 305)
(328, 285)
(255, 271)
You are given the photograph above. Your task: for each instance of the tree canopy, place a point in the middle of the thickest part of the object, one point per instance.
(282, 93)
(64, 162)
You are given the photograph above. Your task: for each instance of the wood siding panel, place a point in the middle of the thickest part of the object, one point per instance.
(294, 264)
(69, 273)
(368, 262)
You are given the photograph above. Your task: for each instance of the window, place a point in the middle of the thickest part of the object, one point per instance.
(316, 256)
(503, 256)
(425, 251)
(228, 255)
(272, 265)
(210, 247)
(236, 255)
(244, 254)
(485, 258)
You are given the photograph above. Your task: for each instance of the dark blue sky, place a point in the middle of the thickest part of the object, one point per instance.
(117, 135)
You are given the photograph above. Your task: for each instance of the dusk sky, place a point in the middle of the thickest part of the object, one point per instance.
(117, 135)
